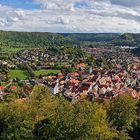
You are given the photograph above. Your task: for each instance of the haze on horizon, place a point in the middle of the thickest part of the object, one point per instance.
(75, 16)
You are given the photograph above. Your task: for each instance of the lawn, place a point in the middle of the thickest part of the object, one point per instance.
(45, 72)
(19, 73)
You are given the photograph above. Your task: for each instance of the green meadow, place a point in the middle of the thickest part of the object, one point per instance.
(19, 73)
(45, 72)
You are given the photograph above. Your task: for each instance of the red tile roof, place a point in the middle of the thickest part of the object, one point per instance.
(13, 88)
(1, 88)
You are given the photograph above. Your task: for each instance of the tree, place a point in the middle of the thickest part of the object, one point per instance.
(15, 122)
(122, 113)
(136, 131)
(43, 105)
(47, 117)
(19, 119)
(82, 121)
(97, 124)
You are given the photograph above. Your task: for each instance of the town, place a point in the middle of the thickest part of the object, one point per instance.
(69, 69)
(94, 73)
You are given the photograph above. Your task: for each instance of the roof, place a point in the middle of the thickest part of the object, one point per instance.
(80, 65)
(13, 88)
(73, 81)
(1, 88)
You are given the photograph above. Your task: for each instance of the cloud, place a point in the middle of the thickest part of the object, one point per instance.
(72, 16)
(3, 23)
(57, 4)
(9, 16)
(129, 3)
(72, 4)
(63, 20)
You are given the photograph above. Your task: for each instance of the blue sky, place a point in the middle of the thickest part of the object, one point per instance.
(29, 4)
(25, 4)
(70, 15)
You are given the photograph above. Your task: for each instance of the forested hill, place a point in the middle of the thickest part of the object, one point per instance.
(36, 39)
(31, 39)
(92, 37)
(113, 38)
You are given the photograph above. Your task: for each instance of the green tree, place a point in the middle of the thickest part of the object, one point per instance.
(136, 131)
(82, 121)
(15, 122)
(43, 106)
(97, 124)
(122, 114)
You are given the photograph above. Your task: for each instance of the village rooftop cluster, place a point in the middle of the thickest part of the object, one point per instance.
(90, 81)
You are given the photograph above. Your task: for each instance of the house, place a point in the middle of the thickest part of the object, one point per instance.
(80, 66)
(1, 89)
(13, 88)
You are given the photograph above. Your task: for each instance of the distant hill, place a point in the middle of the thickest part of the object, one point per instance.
(36, 39)
(113, 38)
(92, 37)
(31, 39)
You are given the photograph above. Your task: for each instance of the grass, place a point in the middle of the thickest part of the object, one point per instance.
(19, 73)
(23, 75)
(45, 72)
(12, 49)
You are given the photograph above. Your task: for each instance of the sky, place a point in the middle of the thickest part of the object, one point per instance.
(70, 16)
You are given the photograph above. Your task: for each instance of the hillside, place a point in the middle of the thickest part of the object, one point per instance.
(38, 39)
(31, 39)
(92, 37)
(114, 38)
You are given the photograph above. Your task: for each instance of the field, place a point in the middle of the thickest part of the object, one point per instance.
(23, 75)
(12, 49)
(46, 72)
(19, 73)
